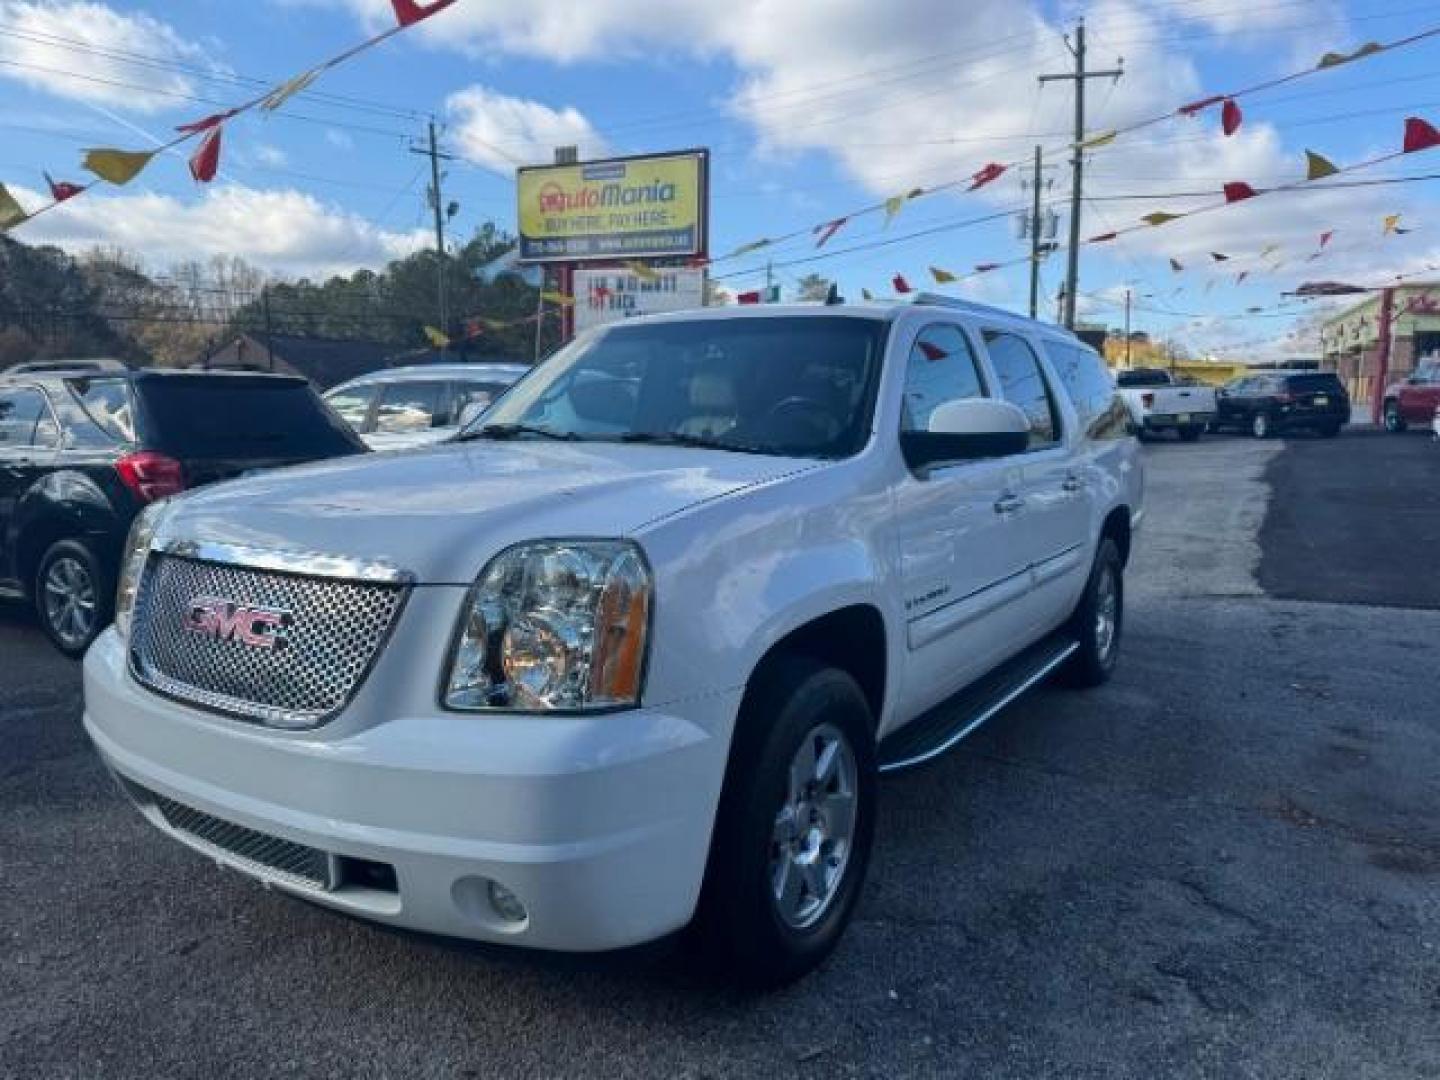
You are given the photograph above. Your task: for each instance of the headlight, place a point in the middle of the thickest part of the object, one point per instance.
(554, 625)
(137, 550)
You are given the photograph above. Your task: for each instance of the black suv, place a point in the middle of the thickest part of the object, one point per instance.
(81, 452)
(1266, 405)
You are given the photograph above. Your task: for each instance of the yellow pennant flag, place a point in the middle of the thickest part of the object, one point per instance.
(552, 297)
(288, 89)
(942, 277)
(11, 212)
(1335, 59)
(1268, 250)
(644, 273)
(1317, 167)
(117, 166)
(892, 207)
(1103, 138)
(1391, 221)
(1159, 218)
(743, 249)
(436, 338)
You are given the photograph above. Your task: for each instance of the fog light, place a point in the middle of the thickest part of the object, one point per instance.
(506, 904)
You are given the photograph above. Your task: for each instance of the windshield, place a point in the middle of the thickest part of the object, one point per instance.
(799, 386)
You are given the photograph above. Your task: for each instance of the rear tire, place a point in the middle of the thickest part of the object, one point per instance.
(1394, 422)
(73, 596)
(1098, 620)
(794, 828)
(1191, 433)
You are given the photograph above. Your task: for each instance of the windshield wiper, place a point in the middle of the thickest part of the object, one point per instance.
(703, 442)
(510, 431)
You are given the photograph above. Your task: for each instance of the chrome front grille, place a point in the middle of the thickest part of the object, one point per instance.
(297, 863)
(333, 629)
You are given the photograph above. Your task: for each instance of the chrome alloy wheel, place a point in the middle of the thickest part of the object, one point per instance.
(814, 828)
(1107, 613)
(68, 597)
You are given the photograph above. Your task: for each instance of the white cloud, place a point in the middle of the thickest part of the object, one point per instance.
(84, 72)
(271, 156)
(282, 230)
(340, 140)
(499, 132)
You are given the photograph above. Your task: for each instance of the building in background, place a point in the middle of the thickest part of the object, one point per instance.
(1350, 340)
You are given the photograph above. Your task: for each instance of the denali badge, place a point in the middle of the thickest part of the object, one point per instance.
(225, 620)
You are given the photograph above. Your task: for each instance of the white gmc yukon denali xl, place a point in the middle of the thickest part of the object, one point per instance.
(630, 654)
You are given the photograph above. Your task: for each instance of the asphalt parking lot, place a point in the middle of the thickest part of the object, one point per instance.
(1223, 864)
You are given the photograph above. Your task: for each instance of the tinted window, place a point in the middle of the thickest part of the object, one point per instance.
(224, 416)
(107, 402)
(941, 368)
(1085, 378)
(20, 413)
(353, 405)
(1022, 383)
(1143, 377)
(1323, 383)
(410, 406)
(795, 385)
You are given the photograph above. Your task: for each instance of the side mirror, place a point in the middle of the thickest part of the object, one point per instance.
(965, 431)
(471, 410)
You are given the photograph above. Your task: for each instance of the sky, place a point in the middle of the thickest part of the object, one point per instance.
(811, 109)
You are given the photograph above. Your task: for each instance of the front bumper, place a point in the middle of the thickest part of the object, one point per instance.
(599, 825)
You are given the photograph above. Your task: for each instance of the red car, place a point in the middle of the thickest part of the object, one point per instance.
(1415, 400)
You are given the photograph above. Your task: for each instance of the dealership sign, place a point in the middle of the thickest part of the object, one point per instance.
(605, 296)
(638, 207)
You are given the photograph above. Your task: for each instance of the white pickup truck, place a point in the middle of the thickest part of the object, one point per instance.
(631, 653)
(1158, 403)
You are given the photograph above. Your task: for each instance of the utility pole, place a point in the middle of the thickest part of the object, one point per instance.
(435, 154)
(269, 328)
(1077, 162)
(1035, 238)
(1127, 328)
(1382, 355)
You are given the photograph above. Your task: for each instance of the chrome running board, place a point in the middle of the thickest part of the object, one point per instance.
(943, 727)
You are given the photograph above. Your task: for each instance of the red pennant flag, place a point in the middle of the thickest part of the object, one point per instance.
(901, 285)
(60, 190)
(213, 120)
(1419, 135)
(990, 172)
(752, 297)
(699, 262)
(932, 351)
(829, 229)
(205, 162)
(409, 12)
(1325, 238)
(1102, 238)
(1230, 117)
(1196, 106)
(1236, 191)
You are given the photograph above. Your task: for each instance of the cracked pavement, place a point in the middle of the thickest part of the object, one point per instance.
(1223, 864)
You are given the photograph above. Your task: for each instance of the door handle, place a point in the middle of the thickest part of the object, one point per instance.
(1072, 483)
(1008, 503)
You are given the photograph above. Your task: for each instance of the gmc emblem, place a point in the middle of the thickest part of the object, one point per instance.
(225, 620)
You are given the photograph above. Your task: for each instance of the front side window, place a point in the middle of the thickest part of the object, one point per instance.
(941, 368)
(789, 385)
(353, 405)
(1022, 383)
(416, 406)
(21, 414)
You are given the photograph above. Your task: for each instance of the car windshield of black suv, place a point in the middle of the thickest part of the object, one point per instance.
(800, 386)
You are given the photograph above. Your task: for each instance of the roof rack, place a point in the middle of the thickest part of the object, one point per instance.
(937, 300)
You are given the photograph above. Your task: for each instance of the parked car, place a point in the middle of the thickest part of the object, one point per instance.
(632, 651)
(422, 404)
(36, 367)
(1415, 399)
(1283, 401)
(1159, 402)
(82, 453)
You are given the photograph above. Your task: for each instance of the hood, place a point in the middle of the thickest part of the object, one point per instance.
(442, 512)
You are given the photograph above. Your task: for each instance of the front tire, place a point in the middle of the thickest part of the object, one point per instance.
(1191, 433)
(1260, 426)
(1394, 422)
(1098, 620)
(73, 596)
(795, 825)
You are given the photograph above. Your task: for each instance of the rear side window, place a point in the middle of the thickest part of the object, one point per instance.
(1314, 384)
(941, 368)
(411, 406)
(108, 403)
(1085, 378)
(24, 415)
(221, 416)
(1022, 383)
